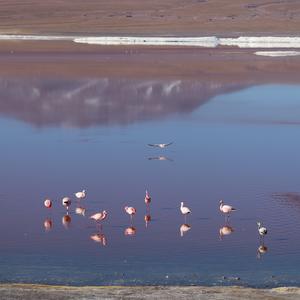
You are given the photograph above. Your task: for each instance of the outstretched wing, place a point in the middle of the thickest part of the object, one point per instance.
(153, 145)
(168, 144)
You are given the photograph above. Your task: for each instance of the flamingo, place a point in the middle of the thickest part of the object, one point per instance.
(261, 229)
(184, 228)
(66, 202)
(226, 209)
(147, 198)
(48, 203)
(130, 210)
(184, 210)
(100, 216)
(160, 145)
(80, 195)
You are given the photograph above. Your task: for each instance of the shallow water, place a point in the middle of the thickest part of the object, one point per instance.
(236, 143)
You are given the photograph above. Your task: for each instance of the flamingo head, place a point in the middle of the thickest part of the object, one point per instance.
(125, 208)
(258, 224)
(181, 203)
(104, 212)
(83, 191)
(221, 201)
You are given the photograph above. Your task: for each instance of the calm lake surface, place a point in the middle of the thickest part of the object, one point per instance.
(239, 144)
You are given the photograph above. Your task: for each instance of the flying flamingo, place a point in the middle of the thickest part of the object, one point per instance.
(100, 216)
(80, 195)
(160, 145)
(226, 209)
(66, 202)
(48, 203)
(184, 210)
(130, 210)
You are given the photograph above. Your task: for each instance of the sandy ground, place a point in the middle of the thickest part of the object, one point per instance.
(66, 59)
(25, 292)
(156, 17)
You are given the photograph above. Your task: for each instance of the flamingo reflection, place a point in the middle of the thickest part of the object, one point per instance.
(48, 224)
(225, 230)
(160, 158)
(99, 238)
(147, 219)
(130, 231)
(66, 220)
(261, 250)
(184, 228)
(80, 211)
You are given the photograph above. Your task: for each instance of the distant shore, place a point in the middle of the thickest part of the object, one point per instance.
(31, 291)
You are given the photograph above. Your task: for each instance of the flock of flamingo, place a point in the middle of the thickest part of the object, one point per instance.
(100, 216)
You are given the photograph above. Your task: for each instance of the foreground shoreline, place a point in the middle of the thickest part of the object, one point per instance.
(34, 291)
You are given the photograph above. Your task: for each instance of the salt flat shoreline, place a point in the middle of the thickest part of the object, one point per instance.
(32, 291)
(193, 41)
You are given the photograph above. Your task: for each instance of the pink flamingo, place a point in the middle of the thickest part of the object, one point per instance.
(100, 216)
(147, 198)
(48, 203)
(130, 210)
(226, 209)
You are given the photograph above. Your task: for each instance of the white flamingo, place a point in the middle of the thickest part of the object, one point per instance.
(48, 203)
(184, 210)
(80, 195)
(100, 216)
(160, 145)
(261, 229)
(66, 202)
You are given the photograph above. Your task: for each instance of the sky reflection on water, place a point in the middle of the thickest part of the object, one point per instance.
(241, 147)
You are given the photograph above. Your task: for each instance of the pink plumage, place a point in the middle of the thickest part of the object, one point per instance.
(99, 216)
(130, 210)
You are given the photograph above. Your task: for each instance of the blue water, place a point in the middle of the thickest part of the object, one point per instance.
(241, 146)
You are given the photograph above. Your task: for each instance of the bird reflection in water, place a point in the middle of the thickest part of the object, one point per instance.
(261, 250)
(80, 211)
(184, 228)
(130, 231)
(225, 230)
(99, 238)
(66, 220)
(48, 224)
(147, 219)
(162, 158)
